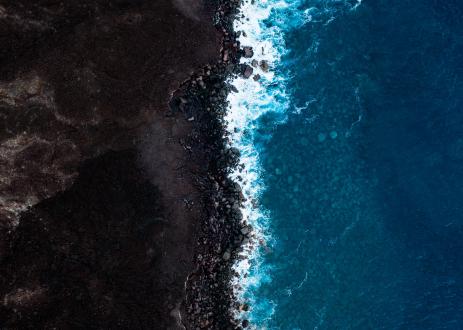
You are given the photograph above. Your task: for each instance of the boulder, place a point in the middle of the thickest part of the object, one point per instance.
(264, 65)
(226, 256)
(248, 52)
(247, 72)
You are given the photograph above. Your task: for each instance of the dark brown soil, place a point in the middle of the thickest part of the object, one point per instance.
(99, 196)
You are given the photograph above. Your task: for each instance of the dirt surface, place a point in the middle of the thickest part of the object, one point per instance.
(99, 203)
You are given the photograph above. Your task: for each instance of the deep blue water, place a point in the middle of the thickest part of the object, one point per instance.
(364, 182)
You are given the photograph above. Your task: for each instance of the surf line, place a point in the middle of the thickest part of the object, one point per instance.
(261, 90)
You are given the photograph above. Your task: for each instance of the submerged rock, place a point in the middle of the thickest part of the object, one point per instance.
(321, 137)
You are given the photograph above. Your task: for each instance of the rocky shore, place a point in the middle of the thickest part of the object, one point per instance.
(115, 206)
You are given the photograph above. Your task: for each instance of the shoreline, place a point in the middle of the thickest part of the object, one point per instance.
(228, 234)
(260, 91)
(210, 302)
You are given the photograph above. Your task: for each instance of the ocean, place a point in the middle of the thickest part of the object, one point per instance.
(352, 153)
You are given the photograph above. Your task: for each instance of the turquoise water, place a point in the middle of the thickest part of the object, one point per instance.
(359, 167)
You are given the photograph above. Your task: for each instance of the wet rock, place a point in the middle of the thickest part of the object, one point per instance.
(264, 65)
(248, 52)
(256, 77)
(244, 307)
(245, 230)
(247, 72)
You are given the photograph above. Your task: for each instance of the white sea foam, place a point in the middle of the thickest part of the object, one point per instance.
(254, 99)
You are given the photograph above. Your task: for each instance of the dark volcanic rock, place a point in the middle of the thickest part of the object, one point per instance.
(247, 71)
(99, 197)
(264, 65)
(80, 77)
(248, 52)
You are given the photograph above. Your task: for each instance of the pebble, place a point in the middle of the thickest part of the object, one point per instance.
(244, 307)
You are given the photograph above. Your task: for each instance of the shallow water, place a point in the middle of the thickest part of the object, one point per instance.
(358, 165)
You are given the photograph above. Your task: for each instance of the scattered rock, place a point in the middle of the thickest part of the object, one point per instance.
(256, 77)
